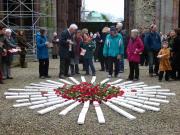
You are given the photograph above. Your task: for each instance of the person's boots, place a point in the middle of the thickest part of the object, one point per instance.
(77, 69)
(72, 69)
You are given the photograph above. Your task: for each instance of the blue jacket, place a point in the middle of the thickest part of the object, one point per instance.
(113, 46)
(42, 50)
(152, 41)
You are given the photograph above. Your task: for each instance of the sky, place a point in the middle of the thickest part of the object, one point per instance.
(114, 7)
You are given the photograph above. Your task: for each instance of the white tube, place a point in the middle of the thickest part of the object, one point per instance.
(46, 104)
(69, 108)
(115, 82)
(99, 112)
(83, 79)
(22, 100)
(122, 112)
(74, 80)
(51, 108)
(83, 113)
(159, 100)
(152, 87)
(54, 82)
(166, 94)
(66, 82)
(104, 81)
(93, 79)
(11, 94)
(17, 97)
(139, 110)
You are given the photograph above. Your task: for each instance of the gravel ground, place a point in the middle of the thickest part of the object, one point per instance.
(22, 121)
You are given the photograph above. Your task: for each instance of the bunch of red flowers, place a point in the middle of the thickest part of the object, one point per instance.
(87, 91)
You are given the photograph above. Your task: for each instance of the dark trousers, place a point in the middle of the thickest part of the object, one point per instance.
(89, 63)
(144, 58)
(134, 70)
(153, 62)
(167, 74)
(64, 66)
(74, 69)
(111, 61)
(22, 60)
(103, 63)
(43, 67)
(1, 75)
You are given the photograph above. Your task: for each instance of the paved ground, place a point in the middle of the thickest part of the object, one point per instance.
(22, 121)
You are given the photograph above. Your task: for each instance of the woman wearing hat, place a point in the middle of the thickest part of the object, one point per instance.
(113, 50)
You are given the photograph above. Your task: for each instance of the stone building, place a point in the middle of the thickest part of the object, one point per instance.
(142, 13)
(138, 13)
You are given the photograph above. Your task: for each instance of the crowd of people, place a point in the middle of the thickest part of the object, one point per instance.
(9, 46)
(110, 47)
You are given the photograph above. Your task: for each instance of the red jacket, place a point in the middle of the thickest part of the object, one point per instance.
(134, 49)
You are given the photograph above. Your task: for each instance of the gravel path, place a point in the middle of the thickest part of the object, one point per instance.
(22, 121)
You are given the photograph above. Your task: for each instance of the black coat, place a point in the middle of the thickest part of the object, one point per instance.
(176, 53)
(64, 45)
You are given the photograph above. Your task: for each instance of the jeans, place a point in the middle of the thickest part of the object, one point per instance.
(134, 70)
(64, 66)
(121, 64)
(111, 61)
(153, 62)
(43, 67)
(89, 63)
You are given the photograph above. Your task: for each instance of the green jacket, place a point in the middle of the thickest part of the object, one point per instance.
(113, 46)
(89, 47)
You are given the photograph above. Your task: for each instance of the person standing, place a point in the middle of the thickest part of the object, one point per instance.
(134, 50)
(55, 47)
(21, 42)
(77, 39)
(66, 49)
(164, 66)
(2, 49)
(113, 50)
(102, 59)
(42, 53)
(119, 27)
(88, 47)
(153, 45)
(176, 55)
(7, 58)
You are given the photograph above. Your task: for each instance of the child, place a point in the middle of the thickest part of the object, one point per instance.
(164, 66)
(134, 50)
(88, 46)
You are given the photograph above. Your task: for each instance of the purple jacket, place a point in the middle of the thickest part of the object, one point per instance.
(134, 49)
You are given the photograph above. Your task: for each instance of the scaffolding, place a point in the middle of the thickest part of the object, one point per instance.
(28, 15)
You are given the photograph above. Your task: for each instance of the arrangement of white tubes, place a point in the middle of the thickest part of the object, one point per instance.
(137, 97)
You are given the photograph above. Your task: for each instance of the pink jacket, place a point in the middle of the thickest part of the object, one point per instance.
(134, 49)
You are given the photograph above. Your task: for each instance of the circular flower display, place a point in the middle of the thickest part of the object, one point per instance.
(86, 91)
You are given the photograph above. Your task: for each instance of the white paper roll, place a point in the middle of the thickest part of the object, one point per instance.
(74, 80)
(51, 108)
(66, 82)
(69, 108)
(122, 112)
(83, 79)
(17, 97)
(83, 113)
(115, 82)
(105, 81)
(93, 79)
(99, 112)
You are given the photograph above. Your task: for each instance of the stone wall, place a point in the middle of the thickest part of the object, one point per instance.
(142, 13)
